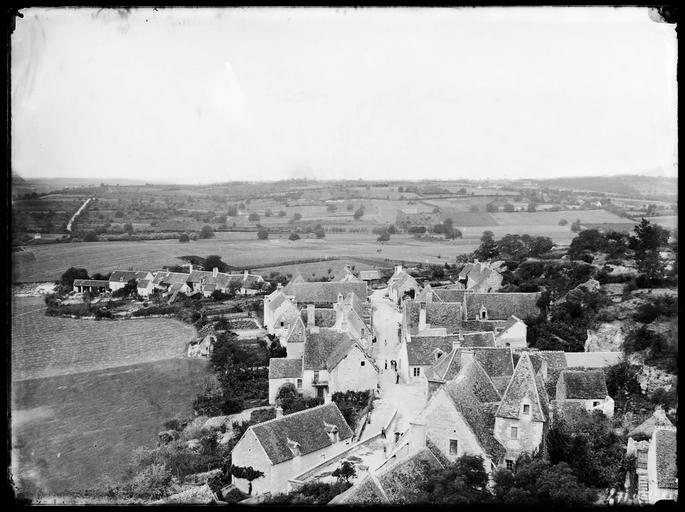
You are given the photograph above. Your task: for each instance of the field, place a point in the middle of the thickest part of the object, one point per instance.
(45, 346)
(84, 394)
(526, 219)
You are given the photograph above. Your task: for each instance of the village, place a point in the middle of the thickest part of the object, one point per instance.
(446, 368)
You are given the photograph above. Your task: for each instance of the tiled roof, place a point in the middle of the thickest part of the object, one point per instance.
(438, 314)
(141, 274)
(523, 384)
(478, 381)
(122, 276)
(479, 339)
(169, 278)
(554, 358)
(323, 317)
(422, 349)
(475, 414)
(284, 368)
(91, 282)
(402, 280)
(143, 283)
(497, 363)
(369, 275)
(666, 465)
(366, 492)
(320, 293)
(584, 385)
(568, 411)
(647, 427)
(511, 322)
(207, 330)
(401, 479)
(175, 287)
(479, 325)
(325, 349)
(276, 299)
(298, 333)
(449, 294)
(593, 359)
(307, 428)
(500, 306)
(345, 275)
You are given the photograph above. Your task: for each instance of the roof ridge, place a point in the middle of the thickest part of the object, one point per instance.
(293, 413)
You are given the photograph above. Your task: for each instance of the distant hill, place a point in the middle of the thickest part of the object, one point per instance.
(632, 185)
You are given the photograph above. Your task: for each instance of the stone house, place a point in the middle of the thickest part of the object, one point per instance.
(145, 287)
(346, 276)
(522, 417)
(514, 333)
(459, 417)
(662, 467)
(279, 312)
(481, 277)
(163, 281)
(322, 294)
(420, 353)
(587, 387)
(283, 371)
(500, 306)
(119, 278)
(441, 294)
(287, 445)
(203, 344)
(401, 283)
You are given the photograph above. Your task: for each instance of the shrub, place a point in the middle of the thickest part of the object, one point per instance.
(91, 236)
(262, 234)
(293, 236)
(184, 238)
(207, 231)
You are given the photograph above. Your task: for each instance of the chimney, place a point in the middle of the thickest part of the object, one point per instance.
(279, 286)
(457, 342)
(279, 411)
(327, 398)
(310, 316)
(190, 268)
(245, 274)
(466, 356)
(422, 316)
(417, 436)
(398, 269)
(215, 272)
(340, 298)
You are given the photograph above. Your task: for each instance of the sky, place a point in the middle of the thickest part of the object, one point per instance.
(213, 95)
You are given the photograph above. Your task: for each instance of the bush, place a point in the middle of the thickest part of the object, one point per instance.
(207, 231)
(91, 236)
(563, 222)
(262, 234)
(184, 238)
(293, 236)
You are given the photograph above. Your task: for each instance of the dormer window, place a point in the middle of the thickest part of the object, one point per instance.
(332, 431)
(595, 404)
(294, 447)
(526, 409)
(483, 315)
(438, 354)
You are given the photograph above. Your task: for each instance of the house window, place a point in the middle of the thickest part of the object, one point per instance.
(514, 432)
(282, 323)
(454, 444)
(363, 363)
(316, 376)
(595, 404)
(417, 372)
(299, 383)
(510, 464)
(438, 355)
(526, 409)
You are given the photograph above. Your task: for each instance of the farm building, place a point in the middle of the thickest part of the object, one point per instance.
(401, 284)
(119, 278)
(90, 285)
(481, 277)
(587, 387)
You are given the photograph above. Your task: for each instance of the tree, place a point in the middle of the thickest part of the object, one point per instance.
(91, 236)
(232, 211)
(253, 217)
(207, 231)
(487, 236)
(563, 222)
(349, 207)
(128, 228)
(183, 238)
(345, 472)
(296, 217)
(383, 237)
(508, 207)
(319, 231)
(462, 482)
(532, 206)
(646, 242)
(130, 288)
(262, 234)
(268, 212)
(214, 261)
(67, 279)
(330, 207)
(359, 213)
(281, 213)
(293, 236)
(575, 226)
(491, 207)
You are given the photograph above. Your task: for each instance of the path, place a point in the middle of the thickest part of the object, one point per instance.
(407, 399)
(78, 212)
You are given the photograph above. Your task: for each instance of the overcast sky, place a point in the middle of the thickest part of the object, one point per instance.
(207, 95)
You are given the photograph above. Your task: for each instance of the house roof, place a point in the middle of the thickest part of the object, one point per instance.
(284, 368)
(479, 382)
(369, 275)
(402, 280)
(320, 293)
(480, 325)
(479, 339)
(401, 479)
(323, 350)
(307, 428)
(647, 427)
(583, 385)
(568, 411)
(298, 332)
(142, 274)
(91, 282)
(175, 287)
(666, 452)
(143, 283)
(475, 414)
(524, 385)
(169, 278)
(345, 275)
(593, 359)
(555, 359)
(501, 306)
(323, 317)
(497, 363)
(422, 350)
(276, 298)
(122, 276)
(207, 330)
(511, 322)
(438, 314)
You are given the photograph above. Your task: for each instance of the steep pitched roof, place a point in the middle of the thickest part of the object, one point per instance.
(496, 362)
(319, 293)
(555, 359)
(523, 384)
(583, 385)
(479, 382)
(449, 294)
(122, 276)
(325, 349)
(91, 282)
(422, 350)
(568, 411)
(665, 442)
(369, 275)
(475, 414)
(143, 283)
(276, 299)
(366, 492)
(402, 279)
(298, 332)
(511, 322)
(479, 339)
(345, 275)
(480, 325)
(400, 479)
(284, 368)
(593, 359)
(501, 306)
(647, 427)
(438, 314)
(323, 317)
(307, 428)
(169, 278)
